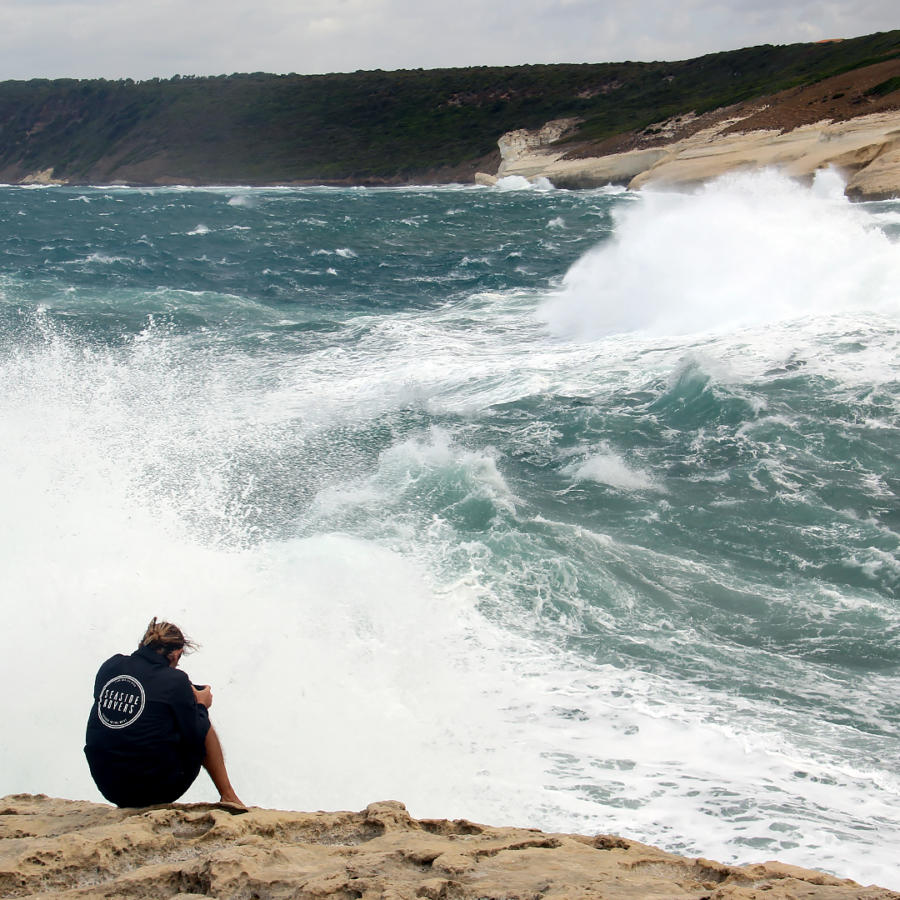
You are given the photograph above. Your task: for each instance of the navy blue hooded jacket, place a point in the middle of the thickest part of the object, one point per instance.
(146, 730)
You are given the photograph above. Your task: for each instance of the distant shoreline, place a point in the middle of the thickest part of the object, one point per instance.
(865, 149)
(421, 127)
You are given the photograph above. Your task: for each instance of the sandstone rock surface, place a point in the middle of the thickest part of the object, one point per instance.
(72, 849)
(43, 177)
(850, 122)
(866, 149)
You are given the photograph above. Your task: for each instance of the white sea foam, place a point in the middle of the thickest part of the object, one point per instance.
(343, 252)
(519, 183)
(101, 258)
(125, 497)
(607, 467)
(745, 250)
(322, 636)
(115, 473)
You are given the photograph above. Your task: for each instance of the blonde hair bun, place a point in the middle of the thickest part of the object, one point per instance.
(164, 637)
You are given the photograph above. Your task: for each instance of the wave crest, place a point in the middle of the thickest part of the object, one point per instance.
(746, 249)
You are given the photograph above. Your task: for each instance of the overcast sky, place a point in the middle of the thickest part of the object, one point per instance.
(146, 38)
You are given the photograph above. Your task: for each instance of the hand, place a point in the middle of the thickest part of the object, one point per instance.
(203, 696)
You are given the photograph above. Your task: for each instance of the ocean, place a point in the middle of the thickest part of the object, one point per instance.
(573, 510)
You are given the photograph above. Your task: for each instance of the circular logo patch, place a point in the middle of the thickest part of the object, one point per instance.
(121, 701)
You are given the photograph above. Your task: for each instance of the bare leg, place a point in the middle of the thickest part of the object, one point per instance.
(214, 763)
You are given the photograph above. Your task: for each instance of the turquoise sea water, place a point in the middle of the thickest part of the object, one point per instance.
(574, 510)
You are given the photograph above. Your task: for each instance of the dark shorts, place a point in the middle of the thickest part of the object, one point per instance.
(131, 785)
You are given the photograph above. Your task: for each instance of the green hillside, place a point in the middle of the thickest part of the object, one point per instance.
(367, 127)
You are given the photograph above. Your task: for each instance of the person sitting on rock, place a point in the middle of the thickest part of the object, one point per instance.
(149, 732)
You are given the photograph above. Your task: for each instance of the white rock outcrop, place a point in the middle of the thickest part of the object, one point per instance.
(866, 149)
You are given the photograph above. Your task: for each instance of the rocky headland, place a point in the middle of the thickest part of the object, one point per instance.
(800, 106)
(850, 122)
(74, 849)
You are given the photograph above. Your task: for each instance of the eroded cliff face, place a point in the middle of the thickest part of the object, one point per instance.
(69, 849)
(516, 144)
(850, 122)
(865, 149)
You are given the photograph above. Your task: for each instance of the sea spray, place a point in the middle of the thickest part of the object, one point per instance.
(745, 250)
(435, 550)
(337, 664)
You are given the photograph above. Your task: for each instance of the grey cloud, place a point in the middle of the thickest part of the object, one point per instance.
(119, 38)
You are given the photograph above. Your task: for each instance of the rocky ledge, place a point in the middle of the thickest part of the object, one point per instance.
(64, 848)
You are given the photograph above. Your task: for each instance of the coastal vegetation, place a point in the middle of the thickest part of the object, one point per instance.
(375, 127)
